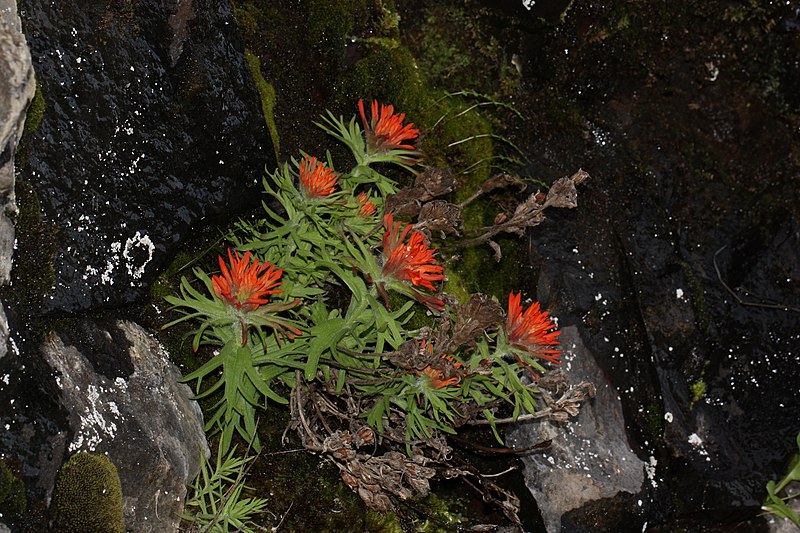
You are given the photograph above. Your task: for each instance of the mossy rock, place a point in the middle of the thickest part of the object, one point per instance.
(330, 24)
(35, 113)
(388, 73)
(88, 495)
(268, 99)
(33, 274)
(12, 494)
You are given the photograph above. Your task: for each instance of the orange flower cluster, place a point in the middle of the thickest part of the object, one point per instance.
(436, 376)
(532, 330)
(413, 261)
(367, 207)
(246, 285)
(317, 179)
(385, 130)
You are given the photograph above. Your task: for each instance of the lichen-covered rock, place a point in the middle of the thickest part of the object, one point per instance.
(88, 495)
(17, 87)
(152, 124)
(103, 387)
(123, 399)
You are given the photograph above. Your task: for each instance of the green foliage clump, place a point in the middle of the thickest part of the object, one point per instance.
(698, 391)
(329, 24)
(775, 503)
(387, 73)
(12, 494)
(88, 495)
(217, 504)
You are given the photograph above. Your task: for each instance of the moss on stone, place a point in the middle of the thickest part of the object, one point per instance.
(35, 114)
(386, 73)
(698, 391)
(88, 495)
(330, 24)
(697, 295)
(33, 274)
(268, 98)
(12, 494)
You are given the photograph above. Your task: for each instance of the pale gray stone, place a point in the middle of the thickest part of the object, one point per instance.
(17, 86)
(128, 404)
(589, 458)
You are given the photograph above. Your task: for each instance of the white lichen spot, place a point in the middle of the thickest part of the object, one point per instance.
(93, 426)
(137, 241)
(679, 294)
(650, 470)
(668, 417)
(121, 384)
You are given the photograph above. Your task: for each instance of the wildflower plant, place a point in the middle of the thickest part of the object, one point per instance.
(312, 307)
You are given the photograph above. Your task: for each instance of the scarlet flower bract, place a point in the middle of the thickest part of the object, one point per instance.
(385, 130)
(532, 330)
(367, 207)
(317, 179)
(408, 262)
(246, 285)
(436, 378)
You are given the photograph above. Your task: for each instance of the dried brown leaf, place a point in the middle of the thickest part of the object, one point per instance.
(404, 203)
(499, 181)
(435, 182)
(481, 314)
(498, 253)
(563, 193)
(439, 215)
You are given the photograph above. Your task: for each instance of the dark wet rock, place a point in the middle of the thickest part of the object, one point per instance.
(589, 458)
(17, 86)
(104, 387)
(681, 265)
(152, 125)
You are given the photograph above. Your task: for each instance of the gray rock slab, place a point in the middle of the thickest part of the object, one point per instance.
(17, 86)
(589, 458)
(127, 403)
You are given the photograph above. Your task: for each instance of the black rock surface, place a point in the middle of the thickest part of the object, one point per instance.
(152, 124)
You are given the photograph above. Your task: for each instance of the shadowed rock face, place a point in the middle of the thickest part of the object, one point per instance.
(151, 125)
(680, 267)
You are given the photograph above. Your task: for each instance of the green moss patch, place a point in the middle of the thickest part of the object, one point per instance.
(88, 495)
(267, 93)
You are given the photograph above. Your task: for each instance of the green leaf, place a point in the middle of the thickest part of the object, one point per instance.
(326, 335)
(490, 417)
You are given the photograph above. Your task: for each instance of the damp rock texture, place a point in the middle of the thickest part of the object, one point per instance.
(151, 125)
(589, 458)
(121, 397)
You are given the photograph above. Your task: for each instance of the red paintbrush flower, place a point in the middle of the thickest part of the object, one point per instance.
(532, 330)
(385, 130)
(436, 378)
(317, 179)
(367, 207)
(413, 261)
(246, 285)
